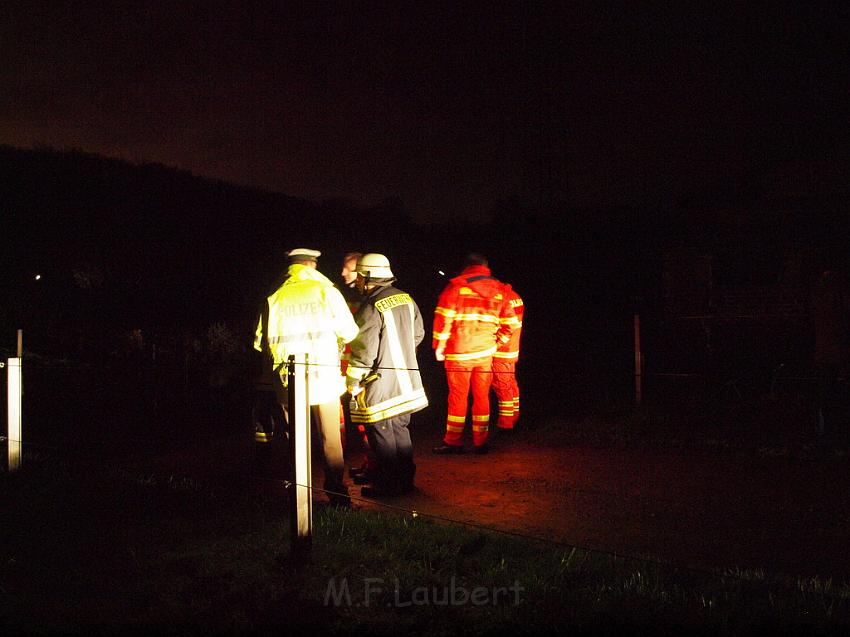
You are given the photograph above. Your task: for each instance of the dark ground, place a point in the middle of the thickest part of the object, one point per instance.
(705, 507)
(711, 476)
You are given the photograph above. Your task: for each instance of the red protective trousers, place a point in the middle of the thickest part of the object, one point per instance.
(507, 392)
(461, 376)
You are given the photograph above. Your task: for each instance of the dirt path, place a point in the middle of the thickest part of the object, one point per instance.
(696, 510)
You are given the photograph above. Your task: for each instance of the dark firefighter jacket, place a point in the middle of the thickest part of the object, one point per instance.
(390, 329)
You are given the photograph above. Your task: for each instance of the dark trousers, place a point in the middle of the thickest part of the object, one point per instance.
(355, 439)
(270, 434)
(390, 442)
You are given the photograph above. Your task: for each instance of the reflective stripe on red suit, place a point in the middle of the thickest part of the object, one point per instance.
(504, 367)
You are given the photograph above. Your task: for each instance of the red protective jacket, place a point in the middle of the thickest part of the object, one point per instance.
(472, 316)
(509, 352)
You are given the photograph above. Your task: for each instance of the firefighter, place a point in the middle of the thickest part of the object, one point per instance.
(383, 375)
(504, 368)
(309, 318)
(472, 317)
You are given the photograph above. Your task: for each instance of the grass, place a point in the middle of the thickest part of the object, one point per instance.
(90, 550)
(709, 419)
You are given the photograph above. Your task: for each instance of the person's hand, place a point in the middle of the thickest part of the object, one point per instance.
(353, 387)
(440, 353)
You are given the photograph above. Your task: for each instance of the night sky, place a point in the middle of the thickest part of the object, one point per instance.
(450, 108)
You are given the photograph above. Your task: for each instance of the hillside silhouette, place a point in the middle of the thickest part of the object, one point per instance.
(137, 246)
(154, 276)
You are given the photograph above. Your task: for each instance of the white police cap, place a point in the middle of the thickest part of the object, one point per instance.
(303, 253)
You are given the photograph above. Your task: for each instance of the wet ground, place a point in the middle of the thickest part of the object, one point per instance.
(696, 510)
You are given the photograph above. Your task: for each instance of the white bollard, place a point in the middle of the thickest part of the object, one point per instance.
(14, 387)
(303, 469)
(301, 496)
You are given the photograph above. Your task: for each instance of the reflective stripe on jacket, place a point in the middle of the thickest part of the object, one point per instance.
(390, 329)
(510, 351)
(472, 316)
(307, 315)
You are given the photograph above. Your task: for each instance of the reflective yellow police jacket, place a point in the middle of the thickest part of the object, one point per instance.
(308, 315)
(390, 329)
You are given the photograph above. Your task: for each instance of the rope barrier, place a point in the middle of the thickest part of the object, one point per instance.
(58, 363)
(395, 369)
(570, 374)
(28, 443)
(706, 375)
(441, 364)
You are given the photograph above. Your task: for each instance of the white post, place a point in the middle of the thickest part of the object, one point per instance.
(15, 389)
(301, 508)
(303, 469)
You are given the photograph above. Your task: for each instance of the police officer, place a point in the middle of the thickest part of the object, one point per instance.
(308, 318)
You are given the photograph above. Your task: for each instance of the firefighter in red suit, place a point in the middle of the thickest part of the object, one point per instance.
(472, 317)
(504, 368)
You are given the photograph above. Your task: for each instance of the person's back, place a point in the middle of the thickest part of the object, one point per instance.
(467, 318)
(307, 315)
(384, 375)
(471, 318)
(391, 328)
(309, 319)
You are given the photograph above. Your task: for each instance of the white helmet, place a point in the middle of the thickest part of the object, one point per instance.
(374, 266)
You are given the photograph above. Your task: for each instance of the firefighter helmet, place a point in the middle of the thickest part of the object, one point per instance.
(374, 266)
